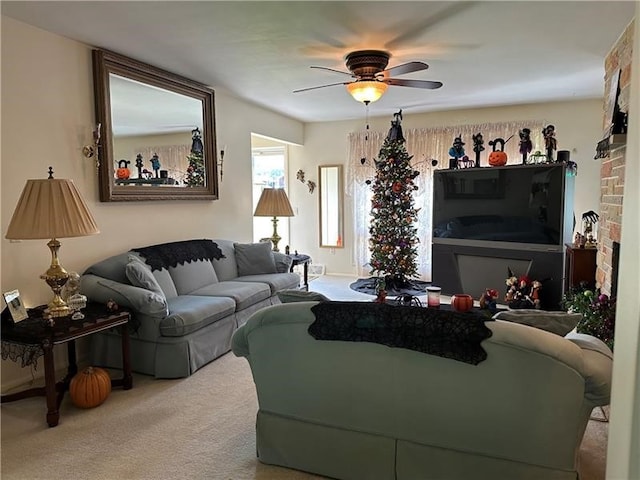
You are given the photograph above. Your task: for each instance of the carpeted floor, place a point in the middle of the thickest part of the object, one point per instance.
(201, 427)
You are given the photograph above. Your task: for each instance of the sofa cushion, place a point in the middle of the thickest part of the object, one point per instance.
(162, 276)
(244, 294)
(101, 290)
(191, 276)
(111, 268)
(283, 262)
(140, 275)
(188, 313)
(254, 258)
(226, 268)
(276, 281)
(289, 296)
(559, 323)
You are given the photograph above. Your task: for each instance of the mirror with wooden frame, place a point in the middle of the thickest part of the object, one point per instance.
(157, 133)
(331, 208)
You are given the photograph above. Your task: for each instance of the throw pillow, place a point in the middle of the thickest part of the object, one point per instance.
(290, 296)
(254, 258)
(559, 323)
(140, 276)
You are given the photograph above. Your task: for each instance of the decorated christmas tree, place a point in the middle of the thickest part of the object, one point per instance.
(195, 170)
(393, 236)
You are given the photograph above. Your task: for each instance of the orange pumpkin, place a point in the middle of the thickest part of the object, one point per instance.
(90, 387)
(497, 158)
(461, 302)
(123, 172)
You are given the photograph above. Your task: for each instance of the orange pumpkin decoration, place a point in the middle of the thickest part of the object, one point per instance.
(90, 387)
(497, 158)
(461, 302)
(123, 172)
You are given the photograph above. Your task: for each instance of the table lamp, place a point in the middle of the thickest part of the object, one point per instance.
(274, 203)
(52, 208)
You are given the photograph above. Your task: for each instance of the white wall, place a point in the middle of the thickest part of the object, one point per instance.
(48, 115)
(578, 127)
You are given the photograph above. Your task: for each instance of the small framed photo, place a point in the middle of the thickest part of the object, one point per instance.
(15, 305)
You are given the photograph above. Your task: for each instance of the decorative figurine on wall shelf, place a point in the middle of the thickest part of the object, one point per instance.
(139, 164)
(478, 146)
(525, 144)
(498, 157)
(550, 142)
(123, 172)
(456, 151)
(155, 164)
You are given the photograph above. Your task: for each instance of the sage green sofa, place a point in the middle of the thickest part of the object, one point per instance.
(186, 299)
(358, 410)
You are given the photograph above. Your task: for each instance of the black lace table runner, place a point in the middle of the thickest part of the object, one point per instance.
(171, 254)
(444, 333)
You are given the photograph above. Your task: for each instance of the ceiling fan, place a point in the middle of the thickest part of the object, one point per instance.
(372, 77)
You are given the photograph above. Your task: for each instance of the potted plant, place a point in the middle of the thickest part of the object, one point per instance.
(598, 312)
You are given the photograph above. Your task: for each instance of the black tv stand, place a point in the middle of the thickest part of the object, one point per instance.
(472, 269)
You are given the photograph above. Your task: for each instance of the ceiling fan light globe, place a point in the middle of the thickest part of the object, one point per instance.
(367, 91)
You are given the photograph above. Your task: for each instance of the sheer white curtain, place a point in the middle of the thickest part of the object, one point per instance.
(173, 158)
(424, 144)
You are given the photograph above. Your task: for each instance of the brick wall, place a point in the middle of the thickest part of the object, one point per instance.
(612, 170)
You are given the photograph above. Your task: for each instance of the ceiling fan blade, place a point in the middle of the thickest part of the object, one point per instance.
(320, 86)
(332, 70)
(404, 68)
(412, 83)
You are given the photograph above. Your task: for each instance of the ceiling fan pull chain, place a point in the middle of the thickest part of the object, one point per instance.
(366, 106)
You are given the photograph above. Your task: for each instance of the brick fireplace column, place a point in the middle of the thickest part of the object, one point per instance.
(613, 167)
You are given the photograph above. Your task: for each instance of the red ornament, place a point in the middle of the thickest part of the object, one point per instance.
(396, 187)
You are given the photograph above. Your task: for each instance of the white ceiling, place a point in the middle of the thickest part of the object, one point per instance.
(485, 53)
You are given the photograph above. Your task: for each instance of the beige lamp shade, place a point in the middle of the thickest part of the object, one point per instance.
(51, 208)
(273, 203)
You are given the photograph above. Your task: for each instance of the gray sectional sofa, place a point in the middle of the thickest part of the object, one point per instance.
(187, 299)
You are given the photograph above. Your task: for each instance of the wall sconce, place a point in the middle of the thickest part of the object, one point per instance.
(221, 161)
(89, 151)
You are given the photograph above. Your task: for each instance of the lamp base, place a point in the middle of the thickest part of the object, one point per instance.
(56, 277)
(275, 238)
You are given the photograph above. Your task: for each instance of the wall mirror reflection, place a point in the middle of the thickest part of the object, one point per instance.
(331, 206)
(157, 132)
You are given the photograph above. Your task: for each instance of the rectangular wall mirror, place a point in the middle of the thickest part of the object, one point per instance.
(331, 207)
(157, 132)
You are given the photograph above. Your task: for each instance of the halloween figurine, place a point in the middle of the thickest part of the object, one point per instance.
(488, 300)
(196, 141)
(525, 144)
(139, 164)
(155, 164)
(123, 172)
(550, 142)
(478, 146)
(456, 152)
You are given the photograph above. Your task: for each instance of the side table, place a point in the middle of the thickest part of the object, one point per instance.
(304, 260)
(37, 337)
(580, 266)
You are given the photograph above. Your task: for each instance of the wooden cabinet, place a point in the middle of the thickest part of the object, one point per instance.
(580, 266)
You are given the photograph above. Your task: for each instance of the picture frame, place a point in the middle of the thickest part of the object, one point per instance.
(15, 305)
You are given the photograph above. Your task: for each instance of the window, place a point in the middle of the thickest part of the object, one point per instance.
(269, 171)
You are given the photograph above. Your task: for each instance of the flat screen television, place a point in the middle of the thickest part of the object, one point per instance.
(503, 206)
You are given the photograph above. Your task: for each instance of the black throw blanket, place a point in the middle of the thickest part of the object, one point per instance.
(171, 254)
(444, 333)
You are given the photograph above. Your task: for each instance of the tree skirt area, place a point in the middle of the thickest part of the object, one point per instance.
(394, 288)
